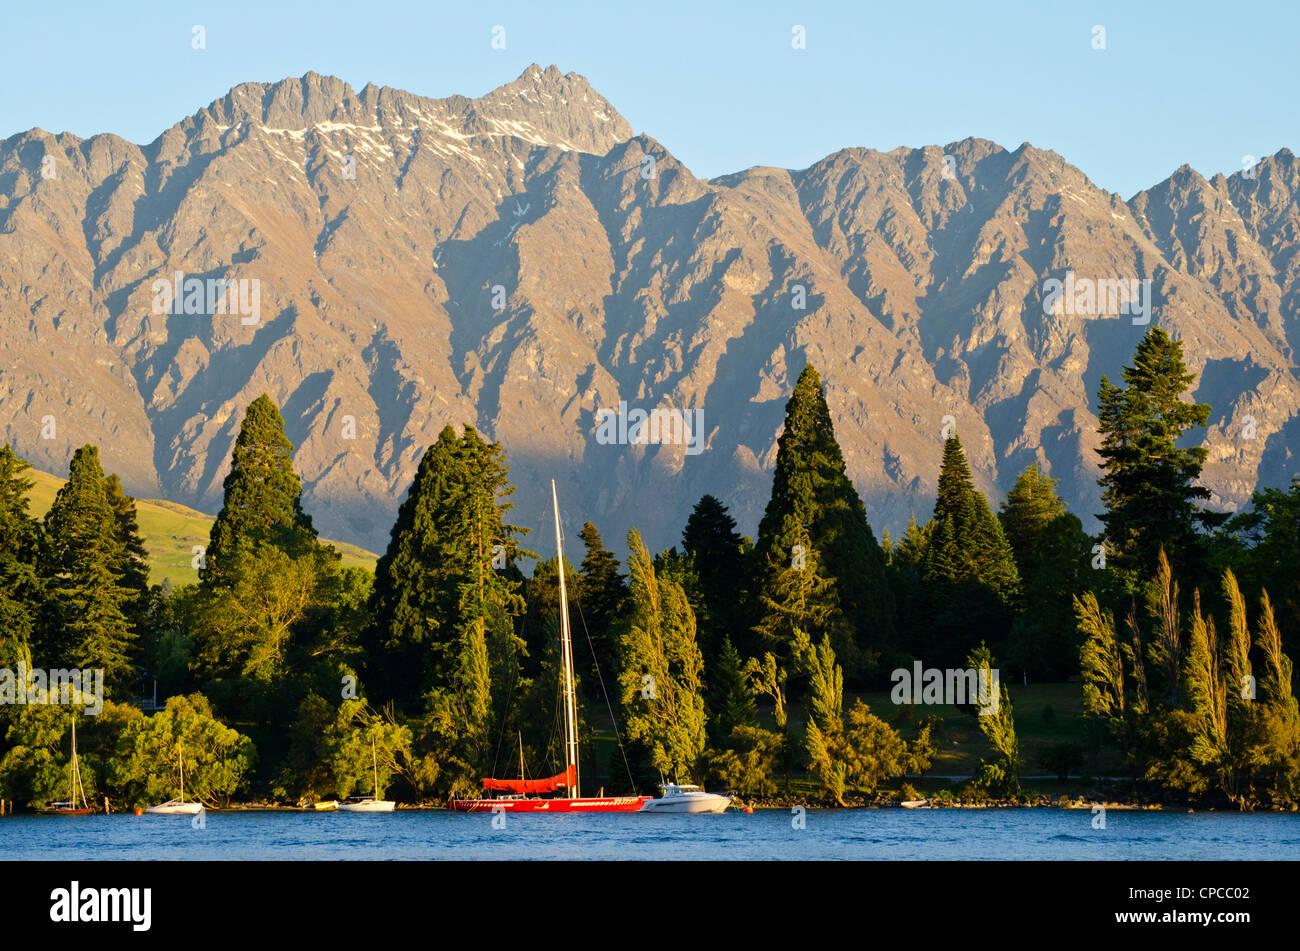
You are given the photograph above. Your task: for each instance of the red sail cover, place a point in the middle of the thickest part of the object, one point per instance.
(525, 786)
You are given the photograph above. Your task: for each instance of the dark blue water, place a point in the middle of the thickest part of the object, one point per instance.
(768, 834)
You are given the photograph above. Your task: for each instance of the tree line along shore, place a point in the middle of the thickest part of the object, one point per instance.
(763, 666)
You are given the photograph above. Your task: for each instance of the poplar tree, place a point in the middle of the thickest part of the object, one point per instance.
(812, 493)
(661, 681)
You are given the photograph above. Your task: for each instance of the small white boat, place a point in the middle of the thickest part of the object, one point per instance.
(369, 803)
(687, 799)
(916, 804)
(177, 807)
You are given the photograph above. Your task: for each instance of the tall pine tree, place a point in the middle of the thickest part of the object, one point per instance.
(1148, 480)
(21, 591)
(262, 497)
(812, 493)
(88, 597)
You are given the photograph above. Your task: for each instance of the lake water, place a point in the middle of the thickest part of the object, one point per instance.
(767, 834)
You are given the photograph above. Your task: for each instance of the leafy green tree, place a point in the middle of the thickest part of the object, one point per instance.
(812, 495)
(35, 768)
(998, 724)
(88, 600)
(1149, 482)
(360, 744)
(262, 498)
(799, 605)
(21, 589)
(146, 767)
(660, 681)
(750, 763)
(1263, 545)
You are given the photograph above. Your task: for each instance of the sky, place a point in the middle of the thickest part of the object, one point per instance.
(720, 85)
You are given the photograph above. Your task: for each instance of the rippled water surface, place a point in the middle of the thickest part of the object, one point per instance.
(768, 834)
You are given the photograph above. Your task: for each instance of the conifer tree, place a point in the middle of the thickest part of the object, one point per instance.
(812, 493)
(601, 589)
(1149, 483)
(88, 599)
(970, 544)
(970, 579)
(730, 699)
(1052, 554)
(800, 605)
(444, 581)
(716, 550)
(262, 497)
(132, 562)
(21, 591)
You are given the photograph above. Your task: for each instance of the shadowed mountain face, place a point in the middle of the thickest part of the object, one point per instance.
(522, 262)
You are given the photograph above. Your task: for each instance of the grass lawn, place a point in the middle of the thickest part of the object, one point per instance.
(170, 532)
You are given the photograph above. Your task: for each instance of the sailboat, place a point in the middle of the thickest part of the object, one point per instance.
(369, 803)
(178, 807)
(74, 806)
(525, 795)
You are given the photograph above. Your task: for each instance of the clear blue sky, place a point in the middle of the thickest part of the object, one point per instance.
(718, 84)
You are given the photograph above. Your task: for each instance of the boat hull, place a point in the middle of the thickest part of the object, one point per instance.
(67, 812)
(591, 804)
(381, 805)
(176, 809)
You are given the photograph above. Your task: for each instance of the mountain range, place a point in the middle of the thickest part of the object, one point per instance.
(527, 263)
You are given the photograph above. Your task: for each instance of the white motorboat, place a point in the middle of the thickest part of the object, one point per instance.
(688, 799)
(369, 803)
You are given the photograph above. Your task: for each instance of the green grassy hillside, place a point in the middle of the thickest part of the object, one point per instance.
(170, 532)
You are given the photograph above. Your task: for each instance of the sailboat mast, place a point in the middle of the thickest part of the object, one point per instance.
(374, 761)
(566, 651)
(180, 752)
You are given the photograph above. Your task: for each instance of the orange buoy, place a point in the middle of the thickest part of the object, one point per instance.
(749, 810)
(139, 811)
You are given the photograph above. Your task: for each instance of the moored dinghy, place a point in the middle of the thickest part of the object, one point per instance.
(76, 804)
